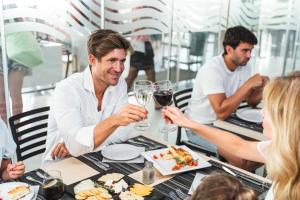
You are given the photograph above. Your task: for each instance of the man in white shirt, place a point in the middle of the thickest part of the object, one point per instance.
(90, 109)
(222, 84)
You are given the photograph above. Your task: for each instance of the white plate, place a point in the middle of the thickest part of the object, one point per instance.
(121, 152)
(5, 187)
(165, 166)
(250, 114)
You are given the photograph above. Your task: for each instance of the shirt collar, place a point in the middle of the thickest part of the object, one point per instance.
(89, 84)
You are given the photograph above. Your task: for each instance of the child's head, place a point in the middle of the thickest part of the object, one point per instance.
(219, 186)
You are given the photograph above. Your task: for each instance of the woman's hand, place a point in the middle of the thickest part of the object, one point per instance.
(175, 116)
(16, 170)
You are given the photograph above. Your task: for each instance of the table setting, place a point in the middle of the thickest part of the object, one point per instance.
(93, 167)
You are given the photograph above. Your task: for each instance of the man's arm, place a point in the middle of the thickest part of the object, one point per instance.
(223, 106)
(129, 114)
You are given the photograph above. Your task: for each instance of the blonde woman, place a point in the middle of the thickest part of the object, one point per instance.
(281, 125)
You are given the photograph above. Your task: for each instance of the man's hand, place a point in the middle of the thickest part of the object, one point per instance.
(256, 81)
(131, 113)
(15, 170)
(59, 151)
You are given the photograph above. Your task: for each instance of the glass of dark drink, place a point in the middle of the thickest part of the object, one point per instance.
(53, 186)
(163, 93)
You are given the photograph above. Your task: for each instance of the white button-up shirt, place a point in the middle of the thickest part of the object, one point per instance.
(74, 114)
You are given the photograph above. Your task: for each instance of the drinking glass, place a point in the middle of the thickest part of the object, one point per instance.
(53, 186)
(143, 92)
(163, 93)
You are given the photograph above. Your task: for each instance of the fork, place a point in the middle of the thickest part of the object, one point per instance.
(100, 162)
(147, 146)
(95, 163)
(173, 196)
(181, 194)
(146, 141)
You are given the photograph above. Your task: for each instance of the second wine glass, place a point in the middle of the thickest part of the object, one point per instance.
(163, 93)
(143, 92)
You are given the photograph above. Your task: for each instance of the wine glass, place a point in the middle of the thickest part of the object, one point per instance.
(163, 93)
(53, 186)
(143, 92)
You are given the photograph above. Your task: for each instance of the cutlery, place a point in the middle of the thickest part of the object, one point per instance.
(39, 174)
(33, 180)
(228, 171)
(181, 194)
(146, 141)
(173, 196)
(97, 160)
(147, 146)
(242, 176)
(95, 163)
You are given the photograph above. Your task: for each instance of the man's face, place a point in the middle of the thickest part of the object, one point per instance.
(241, 54)
(109, 68)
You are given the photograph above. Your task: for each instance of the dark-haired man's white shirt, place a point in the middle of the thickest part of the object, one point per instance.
(74, 114)
(213, 78)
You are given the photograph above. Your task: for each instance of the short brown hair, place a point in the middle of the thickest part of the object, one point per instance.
(220, 186)
(236, 35)
(103, 41)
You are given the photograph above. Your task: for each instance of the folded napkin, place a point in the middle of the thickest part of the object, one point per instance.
(197, 180)
(36, 191)
(139, 159)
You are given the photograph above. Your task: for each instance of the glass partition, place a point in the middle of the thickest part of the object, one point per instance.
(182, 36)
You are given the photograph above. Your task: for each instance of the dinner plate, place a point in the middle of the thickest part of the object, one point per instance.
(250, 114)
(165, 166)
(5, 187)
(121, 152)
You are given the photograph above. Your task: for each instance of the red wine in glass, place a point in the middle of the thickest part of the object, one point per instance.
(163, 97)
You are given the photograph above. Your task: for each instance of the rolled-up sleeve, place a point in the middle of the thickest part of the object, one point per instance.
(66, 108)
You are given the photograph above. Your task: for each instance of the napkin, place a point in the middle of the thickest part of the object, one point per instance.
(139, 159)
(36, 191)
(197, 180)
(158, 178)
(70, 166)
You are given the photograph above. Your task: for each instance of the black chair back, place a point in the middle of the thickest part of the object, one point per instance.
(181, 98)
(181, 101)
(29, 130)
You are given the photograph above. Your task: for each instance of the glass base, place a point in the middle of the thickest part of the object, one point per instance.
(142, 126)
(166, 128)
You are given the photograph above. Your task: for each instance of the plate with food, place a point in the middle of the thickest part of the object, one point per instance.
(175, 159)
(16, 191)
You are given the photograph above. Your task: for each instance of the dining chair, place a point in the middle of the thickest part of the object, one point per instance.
(29, 130)
(181, 100)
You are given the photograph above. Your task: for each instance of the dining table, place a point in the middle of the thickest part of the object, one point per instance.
(246, 129)
(176, 187)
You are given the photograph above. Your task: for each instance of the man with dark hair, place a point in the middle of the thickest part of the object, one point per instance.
(90, 109)
(223, 83)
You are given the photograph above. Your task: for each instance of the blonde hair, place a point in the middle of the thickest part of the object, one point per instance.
(220, 186)
(282, 100)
